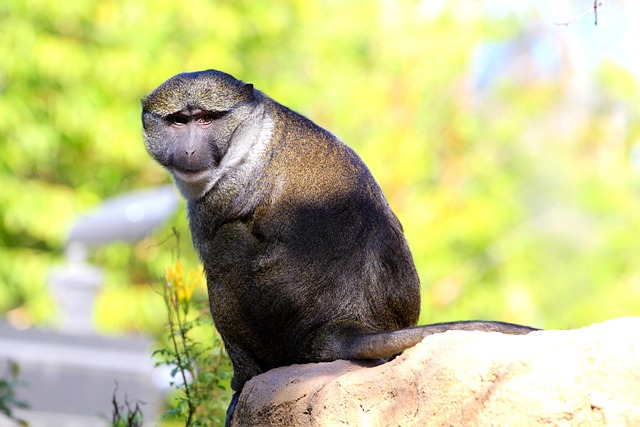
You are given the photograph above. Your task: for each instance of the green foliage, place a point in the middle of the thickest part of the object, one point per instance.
(125, 414)
(200, 368)
(8, 399)
(519, 203)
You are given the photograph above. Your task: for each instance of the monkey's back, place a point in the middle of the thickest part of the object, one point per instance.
(322, 251)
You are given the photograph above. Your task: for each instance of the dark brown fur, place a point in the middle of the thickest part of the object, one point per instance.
(305, 261)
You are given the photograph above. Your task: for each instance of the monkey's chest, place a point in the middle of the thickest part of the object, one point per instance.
(258, 299)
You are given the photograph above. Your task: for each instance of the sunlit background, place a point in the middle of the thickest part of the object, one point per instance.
(506, 136)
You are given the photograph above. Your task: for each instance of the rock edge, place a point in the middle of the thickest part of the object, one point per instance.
(588, 376)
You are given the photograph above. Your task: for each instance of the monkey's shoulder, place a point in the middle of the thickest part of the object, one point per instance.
(311, 160)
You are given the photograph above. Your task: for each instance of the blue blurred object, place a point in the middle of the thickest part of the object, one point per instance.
(128, 218)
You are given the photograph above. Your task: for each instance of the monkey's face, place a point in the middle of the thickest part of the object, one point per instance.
(189, 122)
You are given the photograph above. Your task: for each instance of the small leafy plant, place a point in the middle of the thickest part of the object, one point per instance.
(200, 369)
(8, 399)
(125, 414)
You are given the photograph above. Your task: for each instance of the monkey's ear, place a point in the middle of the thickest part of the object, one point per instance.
(247, 90)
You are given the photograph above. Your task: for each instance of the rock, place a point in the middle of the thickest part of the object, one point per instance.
(588, 376)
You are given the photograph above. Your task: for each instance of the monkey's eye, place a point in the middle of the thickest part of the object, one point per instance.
(210, 116)
(177, 119)
(206, 119)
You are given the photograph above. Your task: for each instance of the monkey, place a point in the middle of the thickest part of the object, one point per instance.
(304, 259)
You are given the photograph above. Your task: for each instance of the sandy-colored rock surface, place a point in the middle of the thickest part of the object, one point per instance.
(586, 377)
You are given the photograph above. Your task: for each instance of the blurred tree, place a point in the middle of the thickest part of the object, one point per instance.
(517, 195)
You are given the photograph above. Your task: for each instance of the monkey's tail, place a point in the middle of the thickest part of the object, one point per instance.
(390, 343)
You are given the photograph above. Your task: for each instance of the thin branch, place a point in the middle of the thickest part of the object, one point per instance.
(593, 9)
(181, 362)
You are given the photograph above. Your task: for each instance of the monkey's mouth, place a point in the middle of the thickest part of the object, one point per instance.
(191, 176)
(193, 184)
